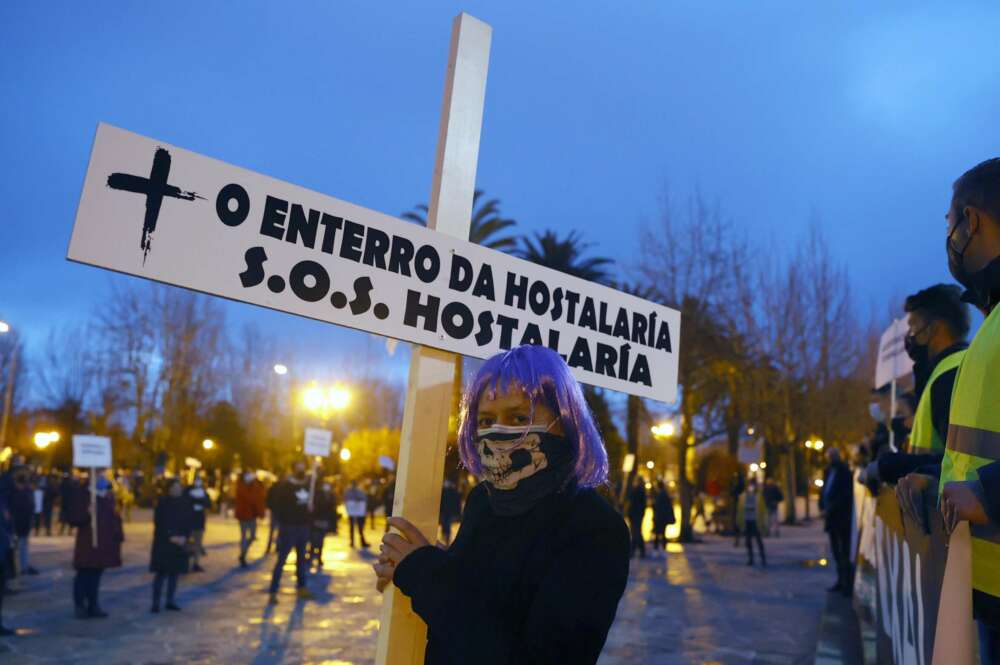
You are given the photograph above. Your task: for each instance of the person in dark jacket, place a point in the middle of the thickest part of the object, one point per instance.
(837, 503)
(323, 519)
(451, 509)
(66, 490)
(90, 562)
(663, 515)
(172, 523)
(291, 508)
(272, 526)
(541, 559)
(637, 504)
(6, 540)
(22, 511)
(200, 504)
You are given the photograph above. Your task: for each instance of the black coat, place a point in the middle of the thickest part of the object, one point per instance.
(542, 587)
(663, 509)
(200, 505)
(837, 498)
(22, 509)
(173, 517)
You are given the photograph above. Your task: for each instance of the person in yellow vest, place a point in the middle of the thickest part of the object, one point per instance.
(939, 323)
(970, 471)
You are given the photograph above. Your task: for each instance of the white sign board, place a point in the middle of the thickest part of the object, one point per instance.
(192, 463)
(893, 362)
(318, 442)
(160, 212)
(91, 451)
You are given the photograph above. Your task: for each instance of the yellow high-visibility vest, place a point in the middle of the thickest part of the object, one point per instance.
(924, 439)
(974, 439)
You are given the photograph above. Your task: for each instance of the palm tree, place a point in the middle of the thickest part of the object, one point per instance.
(486, 223)
(484, 227)
(565, 255)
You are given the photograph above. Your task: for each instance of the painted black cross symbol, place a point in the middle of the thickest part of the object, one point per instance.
(155, 187)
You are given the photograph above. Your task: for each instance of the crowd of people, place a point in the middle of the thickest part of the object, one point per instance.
(301, 512)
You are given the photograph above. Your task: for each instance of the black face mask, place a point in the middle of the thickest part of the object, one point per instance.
(522, 465)
(980, 285)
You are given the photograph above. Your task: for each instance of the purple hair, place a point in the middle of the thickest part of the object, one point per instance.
(543, 376)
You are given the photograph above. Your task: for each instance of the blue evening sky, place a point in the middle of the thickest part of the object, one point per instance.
(859, 116)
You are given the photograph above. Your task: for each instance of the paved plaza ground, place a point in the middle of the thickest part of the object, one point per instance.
(699, 604)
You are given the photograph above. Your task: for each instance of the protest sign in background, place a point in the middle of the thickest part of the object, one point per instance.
(160, 212)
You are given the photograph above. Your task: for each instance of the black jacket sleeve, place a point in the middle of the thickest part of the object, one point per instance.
(989, 477)
(893, 466)
(941, 402)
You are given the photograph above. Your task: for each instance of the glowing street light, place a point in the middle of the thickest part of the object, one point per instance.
(345, 454)
(338, 398)
(280, 369)
(750, 431)
(44, 439)
(754, 468)
(809, 444)
(818, 482)
(319, 399)
(763, 465)
(208, 444)
(663, 430)
(650, 464)
(818, 444)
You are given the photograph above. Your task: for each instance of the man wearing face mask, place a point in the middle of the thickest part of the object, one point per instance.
(291, 508)
(939, 323)
(249, 507)
(970, 472)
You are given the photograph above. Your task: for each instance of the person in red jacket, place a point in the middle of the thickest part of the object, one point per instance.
(249, 508)
(89, 561)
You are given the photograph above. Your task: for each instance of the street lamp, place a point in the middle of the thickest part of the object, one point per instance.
(280, 369)
(650, 464)
(818, 444)
(663, 430)
(44, 439)
(208, 444)
(321, 400)
(345, 454)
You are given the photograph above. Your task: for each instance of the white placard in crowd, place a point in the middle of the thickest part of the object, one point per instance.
(893, 361)
(91, 451)
(318, 442)
(628, 463)
(160, 212)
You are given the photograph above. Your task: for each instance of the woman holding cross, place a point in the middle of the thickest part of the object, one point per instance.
(540, 560)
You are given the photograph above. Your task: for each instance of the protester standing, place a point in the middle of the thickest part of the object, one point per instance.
(451, 509)
(89, 561)
(272, 525)
(541, 559)
(753, 518)
(172, 522)
(200, 503)
(22, 511)
(637, 503)
(248, 508)
(6, 538)
(324, 515)
(291, 508)
(663, 515)
(970, 471)
(773, 496)
(356, 503)
(837, 503)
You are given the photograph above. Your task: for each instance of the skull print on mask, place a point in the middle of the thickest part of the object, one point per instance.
(510, 454)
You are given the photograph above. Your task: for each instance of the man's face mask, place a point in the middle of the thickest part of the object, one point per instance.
(981, 284)
(510, 454)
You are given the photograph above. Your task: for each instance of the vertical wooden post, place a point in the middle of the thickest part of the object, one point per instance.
(402, 635)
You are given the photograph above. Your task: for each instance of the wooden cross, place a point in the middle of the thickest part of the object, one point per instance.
(402, 635)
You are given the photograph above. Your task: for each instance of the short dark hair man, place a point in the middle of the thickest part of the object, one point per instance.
(970, 471)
